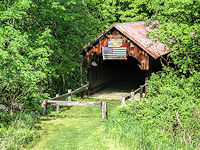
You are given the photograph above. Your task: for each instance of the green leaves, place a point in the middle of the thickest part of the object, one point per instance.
(37, 40)
(171, 97)
(176, 90)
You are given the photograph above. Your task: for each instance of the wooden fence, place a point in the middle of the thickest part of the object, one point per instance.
(133, 93)
(56, 101)
(70, 92)
(74, 103)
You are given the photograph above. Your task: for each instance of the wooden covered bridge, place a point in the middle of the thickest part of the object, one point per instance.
(122, 57)
(120, 60)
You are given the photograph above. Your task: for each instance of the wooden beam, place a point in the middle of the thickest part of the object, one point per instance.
(141, 91)
(132, 96)
(44, 107)
(83, 88)
(69, 91)
(104, 110)
(123, 104)
(81, 74)
(57, 106)
(73, 103)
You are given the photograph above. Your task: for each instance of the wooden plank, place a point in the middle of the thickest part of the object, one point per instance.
(83, 88)
(141, 91)
(69, 91)
(81, 74)
(57, 108)
(104, 110)
(106, 42)
(100, 48)
(44, 107)
(136, 90)
(123, 104)
(132, 96)
(146, 90)
(73, 103)
(77, 103)
(139, 54)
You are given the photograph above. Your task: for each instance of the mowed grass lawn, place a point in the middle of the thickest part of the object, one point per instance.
(75, 128)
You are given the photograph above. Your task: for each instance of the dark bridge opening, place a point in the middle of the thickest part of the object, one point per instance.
(116, 77)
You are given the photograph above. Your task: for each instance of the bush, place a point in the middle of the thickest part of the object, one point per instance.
(168, 119)
(132, 134)
(175, 106)
(17, 130)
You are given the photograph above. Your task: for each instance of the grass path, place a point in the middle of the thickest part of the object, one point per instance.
(76, 128)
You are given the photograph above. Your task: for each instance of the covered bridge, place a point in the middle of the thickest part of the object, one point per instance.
(122, 57)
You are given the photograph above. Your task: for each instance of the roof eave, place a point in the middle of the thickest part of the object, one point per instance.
(93, 41)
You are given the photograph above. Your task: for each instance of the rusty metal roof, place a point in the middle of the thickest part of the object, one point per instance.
(137, 33)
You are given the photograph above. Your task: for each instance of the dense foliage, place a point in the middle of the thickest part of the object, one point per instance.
(173, 100)
(172, 107)
(17, 130)
(131, 134)
(37, 40)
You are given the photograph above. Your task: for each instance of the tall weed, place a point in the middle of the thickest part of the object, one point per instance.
(168, 119)
(17, 130)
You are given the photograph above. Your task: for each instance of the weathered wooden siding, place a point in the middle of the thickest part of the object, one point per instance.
(132, 50)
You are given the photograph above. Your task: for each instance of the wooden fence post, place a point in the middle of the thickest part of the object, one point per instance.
(57, 106)
(132, 96)
(141, 91)
(44, 107)
(146, 88)
(82, 94)
(81, 73)
(69, 97)
(104, 110)
(123, 101)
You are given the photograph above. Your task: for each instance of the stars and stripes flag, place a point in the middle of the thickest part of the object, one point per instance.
(114, 53)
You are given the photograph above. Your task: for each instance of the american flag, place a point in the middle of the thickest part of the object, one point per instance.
(114, 53)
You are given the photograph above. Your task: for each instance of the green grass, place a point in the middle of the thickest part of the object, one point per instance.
(82, 128)
(17, 130)
(75, 128)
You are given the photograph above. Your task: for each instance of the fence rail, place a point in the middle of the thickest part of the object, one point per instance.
(57, 101)
(70, 93)
(73, 103)
(133, 93)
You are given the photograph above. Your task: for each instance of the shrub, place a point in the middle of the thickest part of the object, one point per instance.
(168, 119)
(17, 130)
(132, 134)
(172, 108)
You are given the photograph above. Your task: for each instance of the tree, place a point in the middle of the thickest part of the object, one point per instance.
(37, 40)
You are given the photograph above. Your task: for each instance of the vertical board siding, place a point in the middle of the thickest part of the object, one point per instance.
(132, 50)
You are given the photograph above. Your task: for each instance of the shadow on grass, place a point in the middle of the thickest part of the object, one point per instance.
(61, 115)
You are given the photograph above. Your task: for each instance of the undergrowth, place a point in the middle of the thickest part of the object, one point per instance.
(168, 119)
(17, 130)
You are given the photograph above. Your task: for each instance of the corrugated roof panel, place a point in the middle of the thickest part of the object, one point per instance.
(136, 32)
